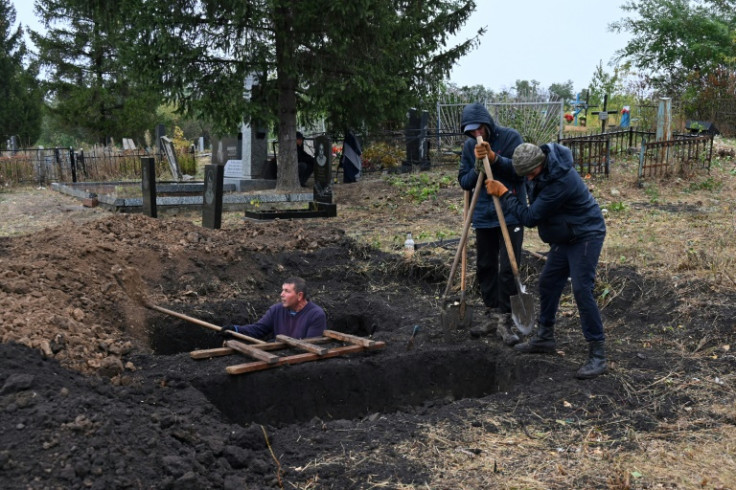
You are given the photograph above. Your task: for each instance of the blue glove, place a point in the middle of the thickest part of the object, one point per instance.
(228, 329)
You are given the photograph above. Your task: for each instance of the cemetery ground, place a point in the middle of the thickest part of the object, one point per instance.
(97, 391)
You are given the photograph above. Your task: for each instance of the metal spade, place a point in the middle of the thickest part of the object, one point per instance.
(522, 304)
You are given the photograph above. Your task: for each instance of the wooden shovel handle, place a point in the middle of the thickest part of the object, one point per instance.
(463, 238)
(202, 323)
(464, 265)
(502, 222)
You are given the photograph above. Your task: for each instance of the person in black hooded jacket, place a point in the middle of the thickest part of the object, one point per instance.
(304, 159)
(569, 219)
(494, 273)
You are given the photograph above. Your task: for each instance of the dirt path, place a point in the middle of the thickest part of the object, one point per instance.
(30, 209)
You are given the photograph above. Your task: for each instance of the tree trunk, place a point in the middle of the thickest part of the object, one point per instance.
(288, 169)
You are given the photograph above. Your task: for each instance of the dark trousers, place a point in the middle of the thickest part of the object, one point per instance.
(495, 276)
(578, 261)
(305, 171)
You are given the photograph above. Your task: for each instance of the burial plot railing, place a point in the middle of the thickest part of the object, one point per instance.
(44, 165)
(683, 155)
(590, 154)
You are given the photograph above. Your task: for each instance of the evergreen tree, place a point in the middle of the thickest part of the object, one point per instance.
(359, 64)
(92, 94)
(21, 99)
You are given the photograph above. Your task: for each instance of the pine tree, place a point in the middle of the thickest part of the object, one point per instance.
(92, 94)
(359, 64)
(21, 99)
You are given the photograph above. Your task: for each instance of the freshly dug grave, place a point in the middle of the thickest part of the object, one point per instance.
(97, 391)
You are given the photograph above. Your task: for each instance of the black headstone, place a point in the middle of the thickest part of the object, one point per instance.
(416, 139)
(226, 148)
(160, 131)
(323, 170)
(148, 184)
(212, 200)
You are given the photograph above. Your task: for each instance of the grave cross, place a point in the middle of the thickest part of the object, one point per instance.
(603, 115)
(579, 105)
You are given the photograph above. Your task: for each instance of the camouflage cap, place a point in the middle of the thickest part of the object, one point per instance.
(526, 158)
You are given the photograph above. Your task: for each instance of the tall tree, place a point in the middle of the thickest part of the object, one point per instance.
(21, 99)
(672, 40)
(603, 84)
(82, 48)
(526, 88)
(357, 63)
(562, 91)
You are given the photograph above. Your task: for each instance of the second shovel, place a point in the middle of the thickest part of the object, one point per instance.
(522, 303)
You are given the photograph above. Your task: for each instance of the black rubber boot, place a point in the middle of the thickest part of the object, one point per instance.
(542, 342)
(596, 363)
(504, 330)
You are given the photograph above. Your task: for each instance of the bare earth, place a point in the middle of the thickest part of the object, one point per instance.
(99, 391)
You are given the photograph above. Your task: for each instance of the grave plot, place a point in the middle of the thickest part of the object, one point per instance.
(378, 368)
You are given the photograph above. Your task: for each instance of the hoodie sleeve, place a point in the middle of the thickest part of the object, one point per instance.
(504, 146)
(467, 176)
(544, 206)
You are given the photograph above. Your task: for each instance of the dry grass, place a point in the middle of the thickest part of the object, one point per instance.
(574, 455)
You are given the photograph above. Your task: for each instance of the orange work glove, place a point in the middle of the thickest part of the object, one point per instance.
(495, 188)
(484, 150)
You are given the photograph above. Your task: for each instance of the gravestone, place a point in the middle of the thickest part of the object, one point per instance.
(244, 158)
(417, 144)
(160, 132)
(323, 170)
(148, 185)
(212, 199)
(13, 144)
(171, 157)
(225, 149)
(200, 147)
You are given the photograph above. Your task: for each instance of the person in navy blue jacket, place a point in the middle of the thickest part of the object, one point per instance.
(295, 316)
(569, 219)
(494, 273)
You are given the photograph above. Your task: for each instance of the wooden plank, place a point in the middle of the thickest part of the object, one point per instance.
(210, 353)
(250, 350)
(353, 339)
(300, 344)
(299, 358)
(225, 351)
(284, 345)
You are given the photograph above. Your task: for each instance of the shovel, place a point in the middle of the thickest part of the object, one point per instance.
(522, 304)
(131, 282)
(457, 314)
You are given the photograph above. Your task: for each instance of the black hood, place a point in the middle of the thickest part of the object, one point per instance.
(477, 113)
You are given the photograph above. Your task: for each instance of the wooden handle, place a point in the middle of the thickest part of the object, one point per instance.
(464, 265)
(463, 237)
(502, 222)
(202, 323)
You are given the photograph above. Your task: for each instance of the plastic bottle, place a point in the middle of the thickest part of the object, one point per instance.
(409, 245)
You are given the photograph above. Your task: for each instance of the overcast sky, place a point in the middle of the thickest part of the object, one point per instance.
(551, 41)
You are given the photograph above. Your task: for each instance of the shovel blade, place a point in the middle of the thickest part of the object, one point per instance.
(522, 312)
(457, 316)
